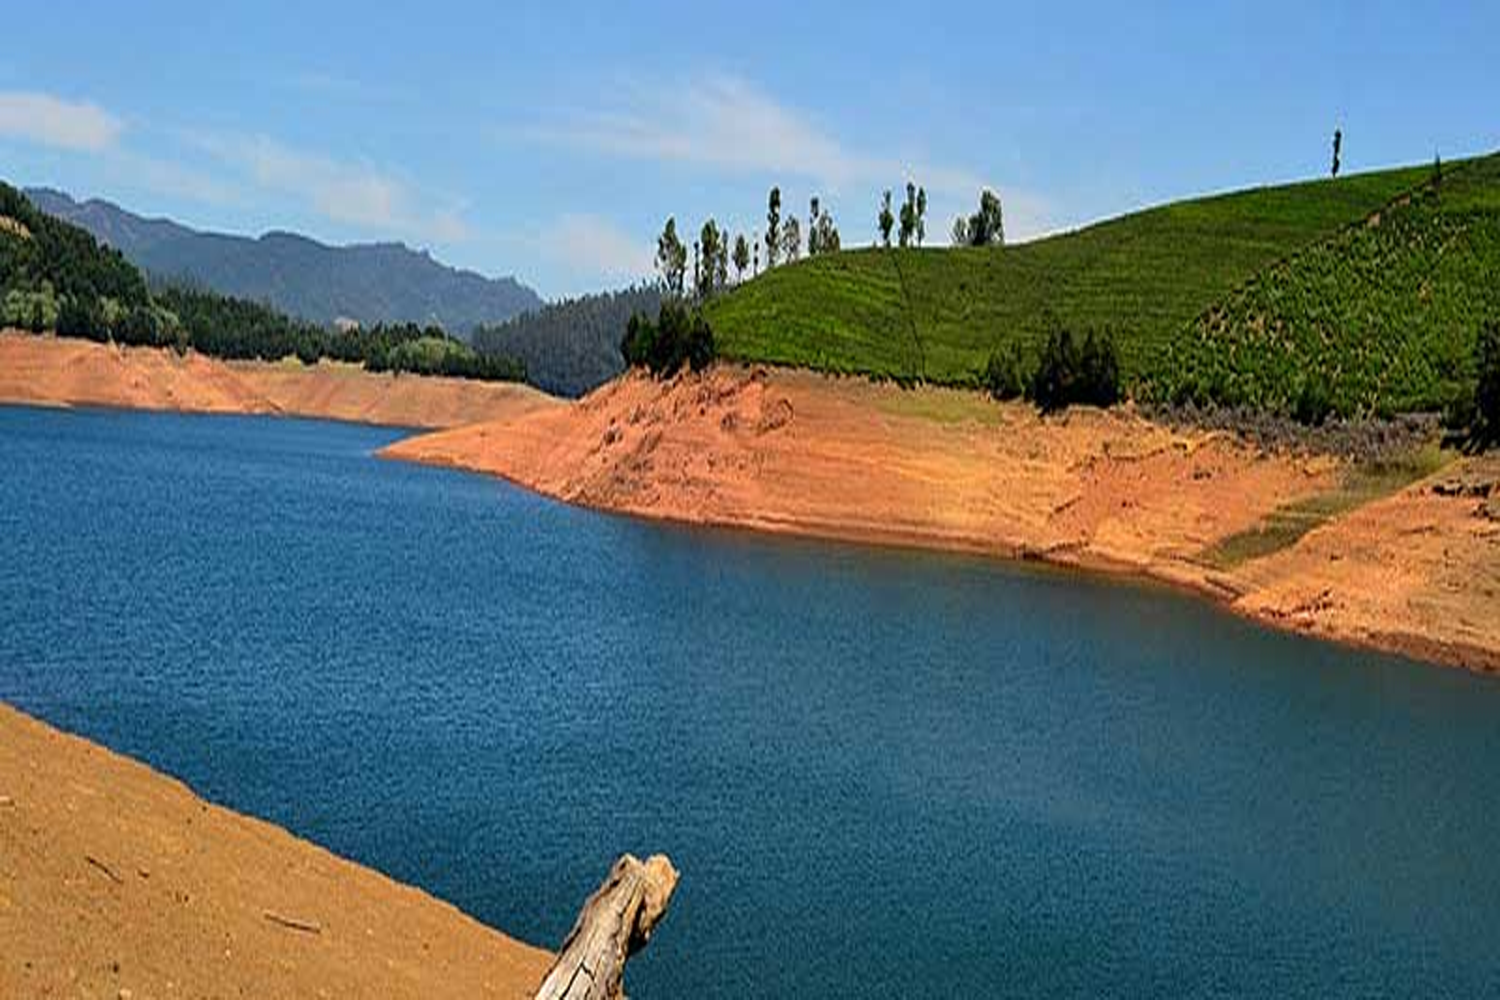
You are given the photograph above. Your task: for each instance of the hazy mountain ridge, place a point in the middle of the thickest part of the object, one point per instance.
(369, 282)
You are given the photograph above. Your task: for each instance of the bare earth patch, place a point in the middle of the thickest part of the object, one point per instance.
(50, 371)
(117, 882)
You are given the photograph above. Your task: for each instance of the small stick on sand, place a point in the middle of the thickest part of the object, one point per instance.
(291, 923)
(109, 872)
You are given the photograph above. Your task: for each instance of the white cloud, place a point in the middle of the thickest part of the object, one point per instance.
(52, 121)
(595, 247)
(356, 194)
(727, 123)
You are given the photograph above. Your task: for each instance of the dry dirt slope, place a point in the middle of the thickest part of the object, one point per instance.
(50, 371)
(116, 881)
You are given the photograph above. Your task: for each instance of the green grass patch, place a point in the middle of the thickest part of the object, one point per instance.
(1361, 484)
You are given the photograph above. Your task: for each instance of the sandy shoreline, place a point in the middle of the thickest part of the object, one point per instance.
(118, 881)
(50, 371)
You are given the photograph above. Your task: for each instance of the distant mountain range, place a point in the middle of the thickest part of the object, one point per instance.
(370, 283)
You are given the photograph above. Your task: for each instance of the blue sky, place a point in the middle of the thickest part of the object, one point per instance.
(551, 140)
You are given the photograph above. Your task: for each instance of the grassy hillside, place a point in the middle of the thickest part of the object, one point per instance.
(938, 313)
(1378, 318)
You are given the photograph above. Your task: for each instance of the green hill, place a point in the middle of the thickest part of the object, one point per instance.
(55, 277)
(1379, 318)
(1146, 278)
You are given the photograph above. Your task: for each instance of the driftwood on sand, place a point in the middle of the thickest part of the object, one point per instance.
(615, 923)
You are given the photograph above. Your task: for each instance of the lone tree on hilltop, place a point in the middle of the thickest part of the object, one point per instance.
(671, 259)
(773, 227)
(887, 219)
(1338, 149)
(921, 215)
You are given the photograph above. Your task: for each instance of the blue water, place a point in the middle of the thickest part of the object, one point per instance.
(878, 771)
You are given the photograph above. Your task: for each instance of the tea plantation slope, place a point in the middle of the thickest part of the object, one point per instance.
(936, 314)
(1379, 318)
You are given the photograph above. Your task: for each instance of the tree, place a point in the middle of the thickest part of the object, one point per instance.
(959, 234)
(773, 227)
(1487, 391)
(908, 229)
(671, 259)
(827, 232)
(714, 273)
(813, 213)
(1099, 372)
(921, 215)
(755, 250)
(987, 226)
(1067, 375)
(1054, 384)
(791, 240)
(678, 337)
(741, 257)
(887, 219)
(698, 268)
(1004, 375)
(1338, 149)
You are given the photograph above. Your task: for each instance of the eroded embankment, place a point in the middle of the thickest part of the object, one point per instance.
(49, 371)
(117, 881)
(800, 453)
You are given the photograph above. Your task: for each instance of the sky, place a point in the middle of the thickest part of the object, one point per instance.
(551, 140)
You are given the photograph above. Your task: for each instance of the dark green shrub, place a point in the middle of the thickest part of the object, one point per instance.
(1054, 385)
(1486, 419)
(1068, 375)
(1314, 405)
(1004, 375)
(1099, 377)
(678, 337)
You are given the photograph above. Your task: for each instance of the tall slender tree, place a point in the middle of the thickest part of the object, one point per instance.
(887, 219)
(715, 254)
(1338, 150)
(908, 230)
(741, 257)
(791, 239)
(921, 215)
(812, 226)
(671, 259)
(773, 227)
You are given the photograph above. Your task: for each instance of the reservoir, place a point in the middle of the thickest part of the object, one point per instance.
(880, 772)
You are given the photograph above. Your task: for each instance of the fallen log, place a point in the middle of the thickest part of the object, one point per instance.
(614, 924)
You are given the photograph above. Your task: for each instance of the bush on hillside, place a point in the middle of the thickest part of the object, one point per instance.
(1004, 376)
(678, 337)
(1314, 403)
(1068, 375)
(1486, 420)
